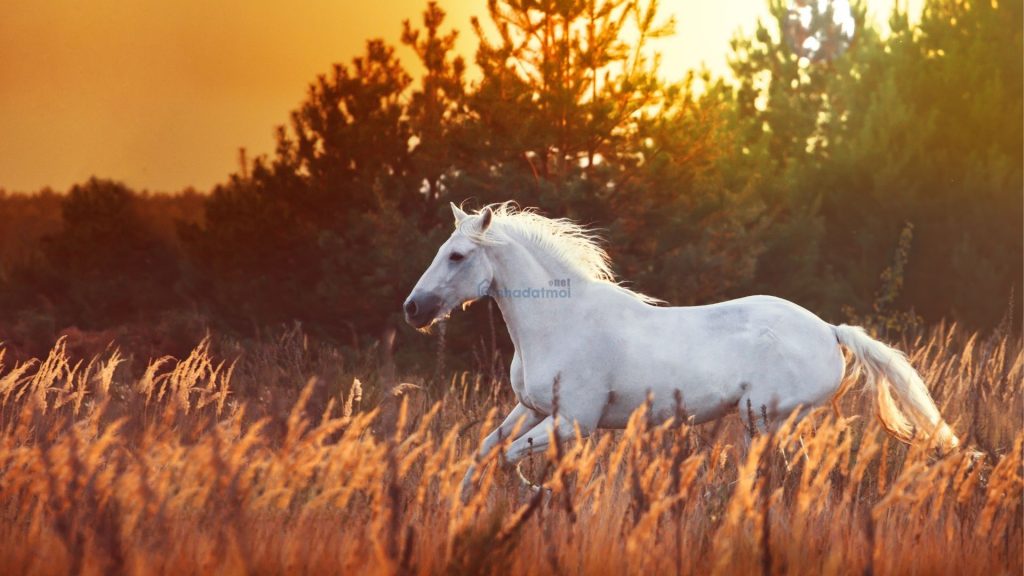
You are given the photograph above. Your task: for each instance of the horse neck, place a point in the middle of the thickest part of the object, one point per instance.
(533, 321)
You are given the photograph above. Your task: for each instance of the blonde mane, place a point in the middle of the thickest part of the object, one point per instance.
(576, 246)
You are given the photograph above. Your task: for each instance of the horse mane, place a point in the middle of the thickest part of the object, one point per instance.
(575, 245)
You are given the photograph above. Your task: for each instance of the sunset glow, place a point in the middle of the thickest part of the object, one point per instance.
(162, 95)
(511, 287)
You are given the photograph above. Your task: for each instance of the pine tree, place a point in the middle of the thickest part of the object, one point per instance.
(921, 126)
(437, 108)
(562, 84)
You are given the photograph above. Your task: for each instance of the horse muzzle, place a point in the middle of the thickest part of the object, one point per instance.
(422, 308)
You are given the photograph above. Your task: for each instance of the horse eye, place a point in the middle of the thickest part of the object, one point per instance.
(456, 257)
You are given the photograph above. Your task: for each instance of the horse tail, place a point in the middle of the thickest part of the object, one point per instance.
(887, 372)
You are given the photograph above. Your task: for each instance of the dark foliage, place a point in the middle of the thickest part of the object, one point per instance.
(791, 177)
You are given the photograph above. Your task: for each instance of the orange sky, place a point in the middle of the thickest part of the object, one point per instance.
(161, 95)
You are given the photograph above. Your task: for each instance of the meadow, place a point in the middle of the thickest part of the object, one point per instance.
(278, 457)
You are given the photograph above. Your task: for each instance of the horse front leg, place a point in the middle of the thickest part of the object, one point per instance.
(520, 420)
(540, 437)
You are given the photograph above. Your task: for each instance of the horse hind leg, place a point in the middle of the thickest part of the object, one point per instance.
(764, 414)
(847, 381)
(768, 419)
(756, 411)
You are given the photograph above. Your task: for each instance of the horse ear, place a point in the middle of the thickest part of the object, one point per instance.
(459, 214)
(485, 219)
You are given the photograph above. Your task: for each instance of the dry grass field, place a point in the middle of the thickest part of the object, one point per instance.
(177, 471)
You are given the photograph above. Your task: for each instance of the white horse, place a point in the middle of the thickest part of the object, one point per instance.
(609, 348)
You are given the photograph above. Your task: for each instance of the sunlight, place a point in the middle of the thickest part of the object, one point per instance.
(200, 79)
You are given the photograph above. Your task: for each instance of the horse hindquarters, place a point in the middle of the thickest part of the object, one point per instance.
(799, 368)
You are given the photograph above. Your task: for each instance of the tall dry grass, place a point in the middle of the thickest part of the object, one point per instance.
(169, 472)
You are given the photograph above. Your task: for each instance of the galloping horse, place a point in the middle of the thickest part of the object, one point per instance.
(610, 348)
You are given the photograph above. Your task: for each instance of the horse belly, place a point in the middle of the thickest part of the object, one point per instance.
(695, 404)
(684, 382)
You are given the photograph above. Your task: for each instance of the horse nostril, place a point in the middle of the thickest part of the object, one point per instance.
(410, 307)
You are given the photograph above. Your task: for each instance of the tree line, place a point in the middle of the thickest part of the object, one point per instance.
(885, 181)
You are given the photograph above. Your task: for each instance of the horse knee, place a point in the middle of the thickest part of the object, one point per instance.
(539, 437)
